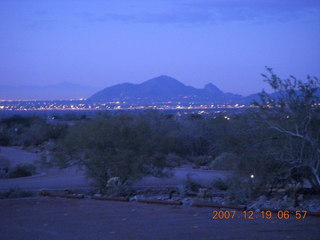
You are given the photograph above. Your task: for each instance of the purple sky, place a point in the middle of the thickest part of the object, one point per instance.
(102, 43)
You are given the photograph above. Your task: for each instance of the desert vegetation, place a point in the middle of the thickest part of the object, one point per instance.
(273, 145)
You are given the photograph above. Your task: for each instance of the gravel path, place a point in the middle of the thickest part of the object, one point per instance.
(68, 219)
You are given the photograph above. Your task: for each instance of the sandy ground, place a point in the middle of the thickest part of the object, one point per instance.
(46, 178)
(73, 178)
(18, 156)
(54, 218)
(67, 219)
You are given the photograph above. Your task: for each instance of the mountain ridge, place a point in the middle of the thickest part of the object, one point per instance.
(164, 88)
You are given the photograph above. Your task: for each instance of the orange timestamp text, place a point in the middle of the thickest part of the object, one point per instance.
(249, 214)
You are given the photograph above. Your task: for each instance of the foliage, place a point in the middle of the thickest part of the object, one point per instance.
(173, 160)
(15, 193)
(199, 161)
(28, 131)
(294, 114)
(191, 185)
(22, 170)
(220, 185)
(277, 142)
(225, 161)
(126, 146)
(4, 167)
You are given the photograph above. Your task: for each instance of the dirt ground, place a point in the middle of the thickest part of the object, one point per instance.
(17, 156)
(73, 178)
(56, 218)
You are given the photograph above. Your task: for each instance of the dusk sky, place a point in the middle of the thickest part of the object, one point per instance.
(100, 43)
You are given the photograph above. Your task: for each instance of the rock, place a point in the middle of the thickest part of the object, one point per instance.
(137, 197)
(204, 193)
(204, 168)
(187, 201)
(113, 182)
(217, 200)
(262, 198)
(160, 197)
(182, 190)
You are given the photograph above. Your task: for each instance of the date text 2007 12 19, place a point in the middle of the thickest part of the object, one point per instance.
(282, 214)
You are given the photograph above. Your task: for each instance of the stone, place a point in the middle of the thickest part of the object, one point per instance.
(187, 201)
(262, 199)
(137, 197)
(204, 168)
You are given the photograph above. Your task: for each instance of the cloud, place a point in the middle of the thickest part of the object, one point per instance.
(235, 10)
(166, 18)
(214, 11)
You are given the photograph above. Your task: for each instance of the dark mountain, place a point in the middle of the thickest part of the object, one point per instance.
(163, 89)
(159, 88)
(60, 91)
(213, 89)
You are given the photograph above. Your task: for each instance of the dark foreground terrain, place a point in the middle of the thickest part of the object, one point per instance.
(54, 218)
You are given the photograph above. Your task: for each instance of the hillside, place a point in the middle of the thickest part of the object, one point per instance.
(163, 89)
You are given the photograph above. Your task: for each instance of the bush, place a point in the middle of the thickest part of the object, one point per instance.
(116, 188)
(200, 161)
(15, 193)
(173, 160)
(225, 161)
(128, 146)
(4, 138)
(182, 190)
(220, 185)
(239, 195)
(4, 167)
(191, 185)
(22, 170)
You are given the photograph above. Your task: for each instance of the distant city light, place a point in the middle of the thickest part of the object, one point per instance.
(33, 105)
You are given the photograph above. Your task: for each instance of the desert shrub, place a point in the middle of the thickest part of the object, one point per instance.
(225, 161)
(117, 188)
(49, 145)
(173, 160)
(238, 192)
(238, 196)
(220, 185)
(199, 161)
(44, 161)
(16, 193)
(4, 138)
(4, 167)
(17, 121)
(44, 193)
(182, 190)
(125, 145)
(22, 170)
(35, 134)
(191, 185)
(28, 131)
